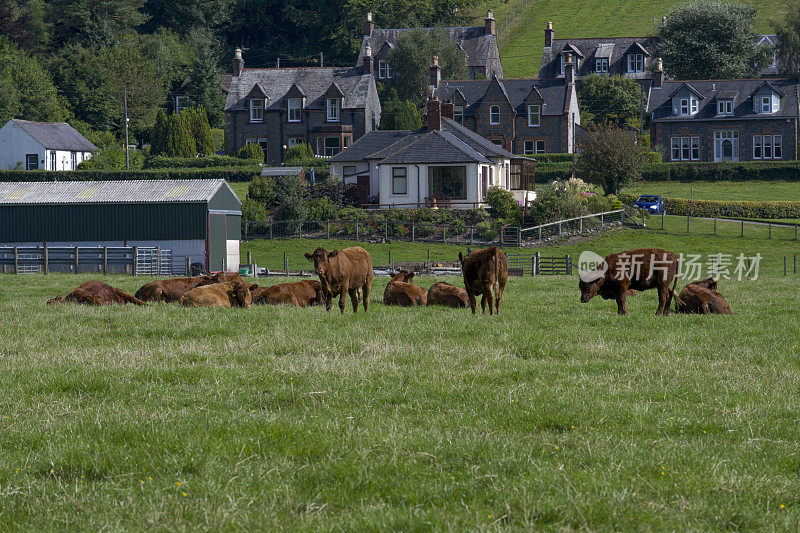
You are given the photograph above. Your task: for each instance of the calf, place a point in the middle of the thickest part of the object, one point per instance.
(634, 270)
(701, 297)
(485, 273)
(400, 291)
(97, 293)
(228, 294)
(343, 272)
(442, 293)
(171, 290)
(299, 293)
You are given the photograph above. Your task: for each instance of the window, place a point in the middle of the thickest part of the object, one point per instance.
(449, 181)
(384, 70)
(601, 66)
(497, 142)
(676, 148)
(685, 148)
(347, 141)
(767, 146)
(766, 104)
(181, 103)
(534, 147)
(458, 114)
(777, 147)
(399, 180)
(331, 146)
(534, 115)
(541, 147)
(333, 109)
(757, 147)
(256, 110)
(685, 154)
(561, 71)
(695, 148)
(294, 106)
(694, 105)
(494, 115)
(31, 161)
(724, 107)
(726, 145)
(74, 160)
(294, 141)
(53, 160)
(348, 170)
(635, 62)
(684, 106)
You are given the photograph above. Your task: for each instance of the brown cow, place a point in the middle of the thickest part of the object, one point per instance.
(485, 273)
(343, 272)
(442, 293)
(299, 293)
(701, 297)
(228, 294)
(97, 293)
(171, 290)
(638, 270)
(400, 291)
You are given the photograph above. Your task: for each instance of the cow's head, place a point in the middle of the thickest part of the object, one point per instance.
(320, 259)
(243, 293)
(404, 276)
(57, 300)
(590, 283)
(708, 283)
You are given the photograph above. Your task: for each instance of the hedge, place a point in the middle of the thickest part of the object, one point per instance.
(214, 161)
(228, 174)
(725, 209)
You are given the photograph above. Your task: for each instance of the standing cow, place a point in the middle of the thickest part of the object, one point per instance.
(701, 297)
(635, 270)
(343, 272)
(485, 273)
(400, 291)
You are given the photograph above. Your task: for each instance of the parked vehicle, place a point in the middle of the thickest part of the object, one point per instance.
(652, 203)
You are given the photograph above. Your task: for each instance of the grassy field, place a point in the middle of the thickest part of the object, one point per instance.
(554, 414)
(521, 46)
(721, 190)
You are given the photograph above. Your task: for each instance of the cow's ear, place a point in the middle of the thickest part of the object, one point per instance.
(253, 287)
(309, 256)
(333, 254)
(409, 276)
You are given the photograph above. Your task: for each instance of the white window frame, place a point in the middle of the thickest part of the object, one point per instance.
(684, 107)
(529, 147)
(74, 160)
(635, 63)
(695, 147)
(767, 146)
(291, 142)
(766, 104)
(693, 103)
(458, 114)
(685, 148)
(541, 146)
(53, 160)
(294, 105)
(333, 109)
(758, 144)
(601, 65)
(721, 136)
(257, 110)
(494, 111)
(725, 107)
(777, 147)
(675, 148)
(534, 115)
(563, 61)
(180, 107)
(396, 171)
(384, 70)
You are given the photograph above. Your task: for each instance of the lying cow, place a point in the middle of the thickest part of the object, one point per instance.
(701, 297)
(299, 293)
(97, 293)
(343, 272)
(171, 290)
(228, 294)
(485, 273)
(400, 291)
(636, 270)
(442, 293)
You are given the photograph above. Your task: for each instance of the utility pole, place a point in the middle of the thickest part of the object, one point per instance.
(321, 60)
(574, 151)
(127, 159)
(641, 110)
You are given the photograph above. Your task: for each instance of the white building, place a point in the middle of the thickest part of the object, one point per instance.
(42, 145)
(444, 164)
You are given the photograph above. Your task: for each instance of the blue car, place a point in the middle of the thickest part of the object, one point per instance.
(652, 203)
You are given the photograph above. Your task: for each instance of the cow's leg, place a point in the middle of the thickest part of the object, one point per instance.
(621, 309)
(483, 303)
(498, 296)
(490, 298)
(365, 292)
(354, 297)
(343, 298)
(473, 302)
(662, 300)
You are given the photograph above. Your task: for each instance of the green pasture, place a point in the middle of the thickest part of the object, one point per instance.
(760, 191)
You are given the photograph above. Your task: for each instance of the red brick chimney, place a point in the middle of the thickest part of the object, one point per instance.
(489, 24)
(448, 109)
(238, 62)
(436, 72)
(434, 114)
(366, 65)
(658, 74)
(549, 34)
(369, 25)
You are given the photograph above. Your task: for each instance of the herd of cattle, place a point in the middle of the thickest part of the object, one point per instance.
(349, 272)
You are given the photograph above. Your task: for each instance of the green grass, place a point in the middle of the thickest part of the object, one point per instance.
(521, 46)
(765, 191)
(552, 415)
(240, 189)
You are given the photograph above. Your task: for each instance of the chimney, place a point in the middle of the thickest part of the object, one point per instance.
(448, 109)
(658, 74)
(366, 66)
(569, 70)
(434, 114)
(238, 62)
(436, 72)
(489, 24)
(549, 34)
(369, 25)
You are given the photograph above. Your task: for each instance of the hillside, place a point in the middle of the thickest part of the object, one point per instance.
(521, 44)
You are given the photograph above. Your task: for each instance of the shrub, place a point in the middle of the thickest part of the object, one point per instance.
(298, 154)
(112, 157)
(253, 152)
(254, 211)
(262, 188)
(227, 174)
(611, 158)
(322, 209)
(198, 162)
(653, 157)
(502, 204)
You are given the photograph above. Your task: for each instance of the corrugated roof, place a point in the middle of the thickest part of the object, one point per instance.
(107, 192)
(55, 135)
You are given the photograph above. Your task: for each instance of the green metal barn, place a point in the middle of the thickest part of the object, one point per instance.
(199, 219)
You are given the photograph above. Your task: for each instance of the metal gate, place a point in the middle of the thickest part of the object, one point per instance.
(154, 262)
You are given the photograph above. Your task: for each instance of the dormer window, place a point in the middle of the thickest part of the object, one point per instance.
(256, 110)
(601, 65)
(293, 108)
(333, 107)
(724, 107)
(685, 106)
(458, 114)
(534, 115)
(766, 104)
(494, 115)
(635, 62)
(384, 70)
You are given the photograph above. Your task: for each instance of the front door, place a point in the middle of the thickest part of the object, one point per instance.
(726, 145)
(31, 161)
(362, 188)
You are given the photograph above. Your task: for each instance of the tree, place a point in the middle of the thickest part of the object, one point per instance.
(38, 28)
(788, 46)
(204, 90)
(611, 157)
(611, 98)
(412, 57)
(200, 130)
(158, 137)
(95, 22)
(399, 114)
(12, 25)
(711, 40)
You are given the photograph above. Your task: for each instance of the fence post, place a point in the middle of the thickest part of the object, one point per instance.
(189, 266)
(386, 231)
(356, 230)
(662, 219)
(715, 225)
(559, 229)
(742, 228)
(540, 233)
(538, 257)
(105, 260)
(580, 229)
(569, 265)
(285, 264)
(46, 260)
(533, 266)
(769, 225)
(246, 227)
(135, 256)
(429, 260)
(16, 260)
(76, 259)
(158, 261)
(390, 258)
(328, 232)
(413, 231)
(601, 219)
(249, 257)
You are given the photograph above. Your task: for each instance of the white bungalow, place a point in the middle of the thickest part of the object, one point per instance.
(42, 145)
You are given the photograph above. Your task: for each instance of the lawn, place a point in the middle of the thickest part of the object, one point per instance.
(720, 190)
(554, 414)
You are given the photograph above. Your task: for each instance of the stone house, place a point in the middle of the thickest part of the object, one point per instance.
(724, 120)
(325, 107)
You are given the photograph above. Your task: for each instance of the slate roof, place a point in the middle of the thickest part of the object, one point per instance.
(659, 103)
(56, 135)
(553, 92)
(453, 143)
(314, 81)
(105, 192)
(613, 48)
(480, 47)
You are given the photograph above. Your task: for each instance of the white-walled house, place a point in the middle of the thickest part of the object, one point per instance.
(42, 145)
(443, 164)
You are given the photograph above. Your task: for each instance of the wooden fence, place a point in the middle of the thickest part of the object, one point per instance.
(132, 260)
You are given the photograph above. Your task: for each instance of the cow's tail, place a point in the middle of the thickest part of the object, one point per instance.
(673, 294)
(136, 301)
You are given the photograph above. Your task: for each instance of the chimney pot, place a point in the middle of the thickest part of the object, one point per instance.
(369, 25)
(238, 62)
(366, 66)
(434, 114)
(569, 69)
(436, 73)
(658, 75)
(549, 34)
(490, 27)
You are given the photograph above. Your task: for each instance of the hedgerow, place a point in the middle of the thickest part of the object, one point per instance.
(725, 209)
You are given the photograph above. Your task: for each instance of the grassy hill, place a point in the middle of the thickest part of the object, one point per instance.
(521, 44)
